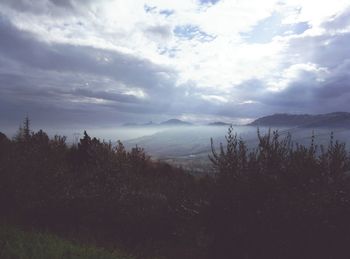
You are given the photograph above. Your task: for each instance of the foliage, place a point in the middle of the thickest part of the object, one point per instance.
(280, 199)
(93, 187)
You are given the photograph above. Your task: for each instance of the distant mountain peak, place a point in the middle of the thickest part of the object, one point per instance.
(175, 122)
(130, 124)
(134, 124)
(219, 123)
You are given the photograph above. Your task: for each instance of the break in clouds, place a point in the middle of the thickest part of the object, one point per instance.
(109, 62)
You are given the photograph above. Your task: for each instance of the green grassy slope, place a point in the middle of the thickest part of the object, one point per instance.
(17, 244)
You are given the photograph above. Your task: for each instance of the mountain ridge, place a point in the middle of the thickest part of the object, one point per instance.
(218, 123)
(170, 122)
(334, 119)
(175, 122)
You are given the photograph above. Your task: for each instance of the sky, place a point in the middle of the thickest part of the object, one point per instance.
(107, 62)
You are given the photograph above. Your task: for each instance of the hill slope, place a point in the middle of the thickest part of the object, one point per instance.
(330, 120)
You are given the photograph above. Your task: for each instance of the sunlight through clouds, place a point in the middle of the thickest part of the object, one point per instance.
(192, 53)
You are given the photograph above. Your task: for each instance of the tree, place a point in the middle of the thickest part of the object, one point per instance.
(231, 161)
(24, 133)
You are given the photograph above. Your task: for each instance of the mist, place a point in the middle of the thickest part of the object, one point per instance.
(190, 145)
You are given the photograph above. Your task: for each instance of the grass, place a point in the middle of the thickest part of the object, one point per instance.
(18, 244)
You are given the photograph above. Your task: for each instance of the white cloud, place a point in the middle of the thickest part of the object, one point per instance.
(225, 61)
(294, 72)
(203, 45)
(214, 98)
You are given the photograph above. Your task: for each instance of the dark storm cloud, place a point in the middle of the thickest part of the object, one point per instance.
(303, 96)
(57, 83)
(39, 7)
(325, 50)
(49, 7)
(30, 95)
(25, 5)
(54, 105)
(24, 48)
(64, 3)
(330, 49)
(306, 94)
(339, 21)
(63, 75)
(310, 92)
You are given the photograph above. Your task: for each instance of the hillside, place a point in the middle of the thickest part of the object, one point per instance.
(329, 120)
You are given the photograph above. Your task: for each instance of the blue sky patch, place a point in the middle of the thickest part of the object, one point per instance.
(155, 10)
(166, 12)
(267, 29)
(299, 28)
(190, 32)
(170, 52)
(149, 9)
(209, 1)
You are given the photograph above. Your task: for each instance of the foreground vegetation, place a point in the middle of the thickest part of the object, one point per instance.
(280, 200)
(18, 244)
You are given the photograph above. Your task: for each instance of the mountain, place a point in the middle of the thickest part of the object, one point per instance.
(171, 122)
(134, 124)
(219, 123)
(130, 124)
(175, 122)
(330, 120)
(150, 123)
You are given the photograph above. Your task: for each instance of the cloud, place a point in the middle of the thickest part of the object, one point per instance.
(134, 60)
(66, 76)
(322, 84)
(26, 49)
(339, 21)
(162, 32)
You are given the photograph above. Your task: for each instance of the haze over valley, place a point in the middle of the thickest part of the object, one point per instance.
(192, 129)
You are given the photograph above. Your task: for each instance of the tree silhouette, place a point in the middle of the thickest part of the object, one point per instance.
(278, 199)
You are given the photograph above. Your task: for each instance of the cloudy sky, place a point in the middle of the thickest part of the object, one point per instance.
(106, 62)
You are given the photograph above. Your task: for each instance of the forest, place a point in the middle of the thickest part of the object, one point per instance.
(277, 200)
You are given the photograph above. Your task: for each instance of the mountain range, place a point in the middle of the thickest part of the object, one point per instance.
(171, 122)
(329, 120)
